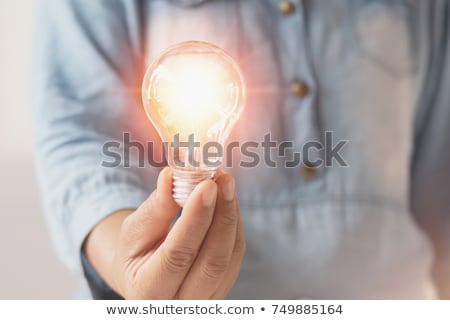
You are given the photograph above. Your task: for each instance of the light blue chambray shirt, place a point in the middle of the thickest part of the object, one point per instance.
(378, 74)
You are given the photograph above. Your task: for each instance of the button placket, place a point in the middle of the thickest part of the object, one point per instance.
(300, 116)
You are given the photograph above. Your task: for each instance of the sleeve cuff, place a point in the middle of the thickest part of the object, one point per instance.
(100, 290)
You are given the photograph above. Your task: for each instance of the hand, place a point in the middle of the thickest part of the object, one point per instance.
(198, 257)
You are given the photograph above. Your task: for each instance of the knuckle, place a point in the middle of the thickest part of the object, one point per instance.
(178, 259)
(215, 267)
(229, 218)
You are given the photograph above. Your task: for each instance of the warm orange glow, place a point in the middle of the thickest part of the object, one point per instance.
(194, 93)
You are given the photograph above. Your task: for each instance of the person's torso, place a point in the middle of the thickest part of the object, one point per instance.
(344, 67)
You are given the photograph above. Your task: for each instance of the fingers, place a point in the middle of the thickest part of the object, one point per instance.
(198, 257)
(173, 259)
(236, 260)
(144, 228)
(219, 172)
(214, 259)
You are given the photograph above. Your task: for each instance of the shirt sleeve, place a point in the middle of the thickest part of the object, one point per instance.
(87, 69)
(430, 193)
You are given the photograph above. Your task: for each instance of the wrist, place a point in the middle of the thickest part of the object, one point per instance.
(100, 247)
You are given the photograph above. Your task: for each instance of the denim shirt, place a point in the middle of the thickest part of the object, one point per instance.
(377, 74)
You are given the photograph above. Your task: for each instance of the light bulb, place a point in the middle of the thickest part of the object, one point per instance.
(193, 93)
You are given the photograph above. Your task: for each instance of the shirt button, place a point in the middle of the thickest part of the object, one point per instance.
(308, 171)
(299, 88)
(286, 7)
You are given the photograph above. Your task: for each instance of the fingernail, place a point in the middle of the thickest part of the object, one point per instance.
(209, 195)
(228, 189)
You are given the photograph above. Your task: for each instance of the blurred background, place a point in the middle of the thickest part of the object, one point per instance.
(29, 268)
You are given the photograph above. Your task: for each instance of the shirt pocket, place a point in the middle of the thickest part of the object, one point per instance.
(384, 34)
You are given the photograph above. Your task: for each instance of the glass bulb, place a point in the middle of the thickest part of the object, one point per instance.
(193, 94)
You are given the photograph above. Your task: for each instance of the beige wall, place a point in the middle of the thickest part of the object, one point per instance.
(28, 266)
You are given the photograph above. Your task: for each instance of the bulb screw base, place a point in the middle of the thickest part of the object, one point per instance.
(185, 181)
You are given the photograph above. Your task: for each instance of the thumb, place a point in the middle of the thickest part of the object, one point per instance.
(148, 225)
